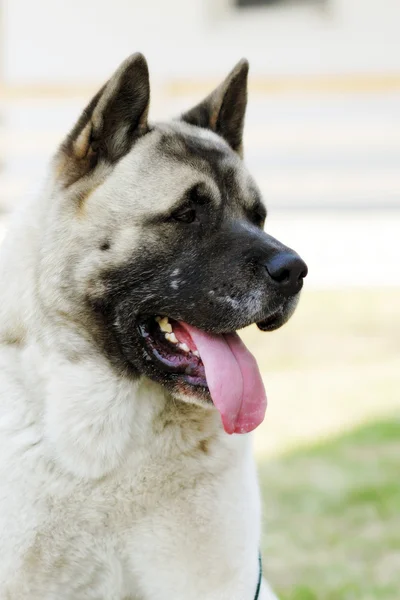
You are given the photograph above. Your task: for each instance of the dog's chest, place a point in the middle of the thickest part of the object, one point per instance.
(87, 539)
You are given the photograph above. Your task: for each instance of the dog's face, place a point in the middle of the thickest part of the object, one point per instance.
(160, 247)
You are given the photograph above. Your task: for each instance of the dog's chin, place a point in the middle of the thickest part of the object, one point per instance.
(280, 316)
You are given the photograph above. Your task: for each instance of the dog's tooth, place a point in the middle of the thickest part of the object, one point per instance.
(184, 347)
(165, 325)
(171, 337)
(196, 353)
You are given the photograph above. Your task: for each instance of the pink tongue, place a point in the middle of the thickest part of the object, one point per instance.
(233, 378)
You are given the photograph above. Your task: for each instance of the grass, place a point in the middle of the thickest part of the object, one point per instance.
(329, 449)
(332, 518)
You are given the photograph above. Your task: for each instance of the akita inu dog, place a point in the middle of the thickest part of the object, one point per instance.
(122, 375)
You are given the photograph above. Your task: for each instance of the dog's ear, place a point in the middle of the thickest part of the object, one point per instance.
(223, 111)
(110, 124)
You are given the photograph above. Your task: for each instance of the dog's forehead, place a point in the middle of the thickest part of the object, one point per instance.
(183, 140)
(175, 156)
(206, 153)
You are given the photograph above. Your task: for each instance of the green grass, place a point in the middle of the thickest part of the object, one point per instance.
(332, 517)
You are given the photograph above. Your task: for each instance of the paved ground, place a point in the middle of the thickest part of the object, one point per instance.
(327, 164)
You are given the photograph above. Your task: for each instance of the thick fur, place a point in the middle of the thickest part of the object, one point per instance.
(114, 485)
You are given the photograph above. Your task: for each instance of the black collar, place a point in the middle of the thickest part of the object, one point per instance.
(258, 590)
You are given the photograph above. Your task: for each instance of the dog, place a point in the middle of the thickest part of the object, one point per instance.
(126, 394)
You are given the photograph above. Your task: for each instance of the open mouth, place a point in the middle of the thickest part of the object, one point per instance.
(172, 347)
(219, 365)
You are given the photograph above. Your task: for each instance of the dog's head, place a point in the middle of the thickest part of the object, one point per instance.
(157, 243)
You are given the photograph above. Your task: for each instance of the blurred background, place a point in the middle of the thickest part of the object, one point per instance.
(323, 140)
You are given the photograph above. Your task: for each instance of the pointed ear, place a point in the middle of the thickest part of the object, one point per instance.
(110, 124)
(223, 111)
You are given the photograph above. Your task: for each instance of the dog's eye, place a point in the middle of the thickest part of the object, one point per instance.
(186, 214)
(257, 217)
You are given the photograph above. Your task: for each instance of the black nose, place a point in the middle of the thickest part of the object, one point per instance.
(288, 270)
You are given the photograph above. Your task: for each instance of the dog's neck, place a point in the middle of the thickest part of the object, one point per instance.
(94, 419)
(98, 422)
